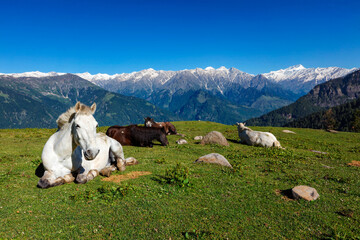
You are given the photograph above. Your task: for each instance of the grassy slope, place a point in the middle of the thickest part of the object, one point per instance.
(219, 204)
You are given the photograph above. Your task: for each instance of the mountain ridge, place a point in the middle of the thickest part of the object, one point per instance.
(37, 102)
(323, 96)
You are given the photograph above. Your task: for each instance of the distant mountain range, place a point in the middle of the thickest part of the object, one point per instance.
(38, 101)
(323, 96)
(221, 95)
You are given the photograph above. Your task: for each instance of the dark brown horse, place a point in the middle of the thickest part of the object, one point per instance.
(133, 135)
(168, 126)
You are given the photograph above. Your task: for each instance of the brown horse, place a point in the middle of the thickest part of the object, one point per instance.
(168, 126)
(133, 135)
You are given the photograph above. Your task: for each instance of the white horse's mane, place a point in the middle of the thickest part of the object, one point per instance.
(67, 116)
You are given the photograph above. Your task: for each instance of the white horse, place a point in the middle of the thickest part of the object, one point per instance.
(77, 148)
(256, 138)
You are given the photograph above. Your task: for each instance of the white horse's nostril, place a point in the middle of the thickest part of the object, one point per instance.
(90, 154)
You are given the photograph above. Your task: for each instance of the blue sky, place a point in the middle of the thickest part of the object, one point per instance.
(125, 36)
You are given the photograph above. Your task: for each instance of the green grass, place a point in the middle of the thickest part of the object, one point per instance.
(215, 203)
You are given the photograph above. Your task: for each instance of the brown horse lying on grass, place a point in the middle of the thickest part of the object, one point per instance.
(133, 135)
(168, 126)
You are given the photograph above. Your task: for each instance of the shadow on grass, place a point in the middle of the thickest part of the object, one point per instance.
(39, 172)
(287, 193)
(233, 140)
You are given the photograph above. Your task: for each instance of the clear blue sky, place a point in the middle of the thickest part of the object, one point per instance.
(125, 36)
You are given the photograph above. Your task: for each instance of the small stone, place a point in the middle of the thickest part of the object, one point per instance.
(315, 151)
(214, 137)
(198, 138)
(325, 166)
(331, 131)
(181, 141)
(214, 158)
(288, 131)
(131, 161)
(305, 192)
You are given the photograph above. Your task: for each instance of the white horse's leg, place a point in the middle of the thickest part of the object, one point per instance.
(87, 176)
(107, 171)
(50, 180)
(117, 150)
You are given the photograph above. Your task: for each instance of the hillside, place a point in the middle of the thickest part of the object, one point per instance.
(345, 117)
(37, 102)
(250, 201)
(332, 93)
(201, 105)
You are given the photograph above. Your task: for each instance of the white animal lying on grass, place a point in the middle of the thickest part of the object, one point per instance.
(256, 138)
(77, 148)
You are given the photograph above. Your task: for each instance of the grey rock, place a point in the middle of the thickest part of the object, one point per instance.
(288, 131)
(198, 138)
(181, 141)
(214, 137)
(214, 158)
(305, 192)
(319, 152)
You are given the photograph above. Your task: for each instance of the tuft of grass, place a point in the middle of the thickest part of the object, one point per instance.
(107, 194)
(178, 175)
(36, 162)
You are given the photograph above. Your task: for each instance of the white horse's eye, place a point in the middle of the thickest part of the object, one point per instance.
(97, 125)
(77, 126)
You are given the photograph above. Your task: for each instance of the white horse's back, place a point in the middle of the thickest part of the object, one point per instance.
(256, 138)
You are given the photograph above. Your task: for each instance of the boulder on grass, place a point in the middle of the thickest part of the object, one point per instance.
(288, 131)
(214, 137)
(305, 192)
(198, 138)
(214, 158)
(181, 141)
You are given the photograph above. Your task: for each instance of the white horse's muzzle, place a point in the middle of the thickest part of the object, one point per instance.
(91, 153)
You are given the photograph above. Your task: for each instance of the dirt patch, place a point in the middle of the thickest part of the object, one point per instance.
(130, 175)
(354, 163)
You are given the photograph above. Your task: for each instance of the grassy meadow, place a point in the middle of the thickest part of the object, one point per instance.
(207, 202)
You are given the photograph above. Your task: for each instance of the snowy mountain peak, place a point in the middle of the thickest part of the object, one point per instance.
(296, 67)
(33, 74)
(209, 69)
(297, 78)
(222, 68)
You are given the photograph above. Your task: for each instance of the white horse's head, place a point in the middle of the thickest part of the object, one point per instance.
(84, 130)
(241, 126)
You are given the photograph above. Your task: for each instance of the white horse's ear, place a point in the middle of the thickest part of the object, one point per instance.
(93, 108)
(244, 123)
(77, 107)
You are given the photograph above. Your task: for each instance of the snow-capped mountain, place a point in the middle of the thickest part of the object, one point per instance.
(147, 81)
(299, 79)
(150, 79)
(33, 74)
(268, 90)
(296, 78)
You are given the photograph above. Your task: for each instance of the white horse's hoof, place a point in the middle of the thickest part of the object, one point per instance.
(43, 183)
(81, 178)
